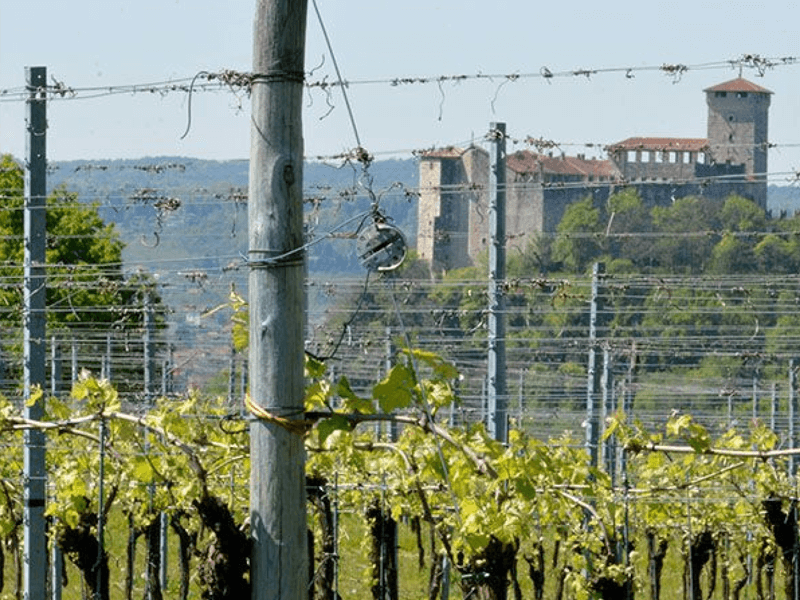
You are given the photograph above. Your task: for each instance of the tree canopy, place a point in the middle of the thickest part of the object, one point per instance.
(85, 279)
(692, 235)
(89, 294)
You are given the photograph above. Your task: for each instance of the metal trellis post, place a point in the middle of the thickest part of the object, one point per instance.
(34, 354)
(792, 415)
(594, 375)
(496, 384)
(56, 368)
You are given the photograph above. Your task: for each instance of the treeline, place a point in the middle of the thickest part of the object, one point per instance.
(693, 235)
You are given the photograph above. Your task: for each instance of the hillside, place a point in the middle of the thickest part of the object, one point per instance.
(197, 208)
(185, 220)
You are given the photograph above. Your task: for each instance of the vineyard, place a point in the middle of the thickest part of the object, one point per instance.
(663, 466)
(397, 498)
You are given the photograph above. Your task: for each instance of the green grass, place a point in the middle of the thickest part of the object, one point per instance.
(355, 569)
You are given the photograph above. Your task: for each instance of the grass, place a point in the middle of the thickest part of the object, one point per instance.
(355, 569)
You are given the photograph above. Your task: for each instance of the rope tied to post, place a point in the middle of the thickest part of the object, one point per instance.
(297, 426)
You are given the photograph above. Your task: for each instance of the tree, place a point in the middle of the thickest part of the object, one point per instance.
(86, 284)
(534, 261)
(576, 245)
(686, 229)
(732, 254)
(741, 214)
(630, 217)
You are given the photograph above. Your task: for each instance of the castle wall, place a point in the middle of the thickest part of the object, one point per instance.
(657, 165)
(452, 223)
(444, 212)
(524, 209)
(476, 165)
(428, 207)
(738, 134)
(453, 208)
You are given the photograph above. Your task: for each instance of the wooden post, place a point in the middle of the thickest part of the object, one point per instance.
(277, 302)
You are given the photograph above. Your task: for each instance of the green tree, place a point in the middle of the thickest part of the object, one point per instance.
(741, 214)
(84, 255)
(775, 254)
(732, 254)
(779, 251)
(577, 243)
(687, 233)
(86, 284)
(744, 223)
(534, 261)
(631, 220)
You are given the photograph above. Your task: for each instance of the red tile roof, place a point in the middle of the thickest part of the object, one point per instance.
(738, 85)
(525, 161)
(661, 144)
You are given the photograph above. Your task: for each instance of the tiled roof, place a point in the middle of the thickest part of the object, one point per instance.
(738, 85)
(530, 162)
(661, 144)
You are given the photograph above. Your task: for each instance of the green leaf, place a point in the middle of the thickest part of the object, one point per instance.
(439, 393)
(71, 517)
(469, 507)
(351, 401)
(396, 391)
(478, 541)
(36, 395)
(676, 425)
(525, 488)
(314, 368)
(317, 395)
(143, 470)
(611, 427)
(328, 426)
(442, 369)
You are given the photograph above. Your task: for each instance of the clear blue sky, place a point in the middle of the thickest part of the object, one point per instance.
(109, 43)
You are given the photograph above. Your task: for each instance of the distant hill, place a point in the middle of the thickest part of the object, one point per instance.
(783, 198)
(193, 207)
(185, 219)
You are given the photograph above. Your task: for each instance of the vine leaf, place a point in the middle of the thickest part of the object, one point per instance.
(473, 524)
(330, 425)
(396, 391)
(693, 433)
(143, 470)
(314, 368)
(36, 395)
(525, 488)
(352, 402)
(317, 395)
(442, 369)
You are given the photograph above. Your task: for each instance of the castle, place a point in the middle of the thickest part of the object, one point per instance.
(453, 225)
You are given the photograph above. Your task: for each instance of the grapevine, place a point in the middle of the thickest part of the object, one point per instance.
(710, 499)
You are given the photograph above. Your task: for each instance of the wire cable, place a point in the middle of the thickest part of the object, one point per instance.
(338, 75)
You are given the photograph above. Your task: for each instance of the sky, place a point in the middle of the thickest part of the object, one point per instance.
(502, 46)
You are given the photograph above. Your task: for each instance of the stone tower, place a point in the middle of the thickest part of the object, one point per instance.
(738, 114)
